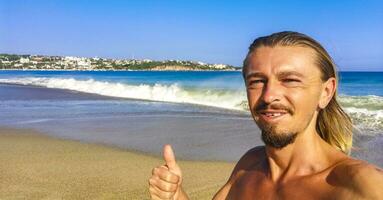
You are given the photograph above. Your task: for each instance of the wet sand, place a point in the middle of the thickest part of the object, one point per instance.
(58, 162)
(35, 166)
(196, 132)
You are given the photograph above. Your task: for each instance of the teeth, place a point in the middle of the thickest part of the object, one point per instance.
(273, 114)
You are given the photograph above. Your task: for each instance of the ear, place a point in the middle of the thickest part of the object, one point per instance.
(328, 91)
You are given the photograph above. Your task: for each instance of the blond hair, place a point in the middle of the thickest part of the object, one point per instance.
(333, 124)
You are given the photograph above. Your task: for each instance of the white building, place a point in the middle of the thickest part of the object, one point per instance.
(24, 60)
(219, 66)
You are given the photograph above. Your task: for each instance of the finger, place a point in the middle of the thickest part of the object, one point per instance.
(169, 157)
(159, 193)
(153, 191)
(156, 169)
(163, 185)
(154, 196)
(166, 175)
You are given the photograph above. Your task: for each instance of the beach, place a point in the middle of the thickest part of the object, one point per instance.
(36, 166)
(196, 132)
(97, 135)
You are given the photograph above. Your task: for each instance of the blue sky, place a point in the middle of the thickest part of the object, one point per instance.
(215, 31)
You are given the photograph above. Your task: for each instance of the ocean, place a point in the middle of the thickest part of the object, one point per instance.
(201, 113)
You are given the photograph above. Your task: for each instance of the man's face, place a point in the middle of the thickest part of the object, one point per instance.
(283, 89)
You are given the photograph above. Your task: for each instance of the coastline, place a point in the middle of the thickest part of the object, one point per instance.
(36, 166)
(127, 70)
(120, 70)
(196, 132)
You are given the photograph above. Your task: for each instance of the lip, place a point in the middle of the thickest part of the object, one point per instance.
(272, 116)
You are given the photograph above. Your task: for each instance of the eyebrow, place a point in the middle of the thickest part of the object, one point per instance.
(279, 74)
(256, 74)
(290, 73)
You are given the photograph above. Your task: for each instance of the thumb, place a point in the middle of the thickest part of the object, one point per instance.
(169, 157)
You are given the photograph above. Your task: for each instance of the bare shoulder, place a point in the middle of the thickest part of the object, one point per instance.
(359, 178)
(250, 159)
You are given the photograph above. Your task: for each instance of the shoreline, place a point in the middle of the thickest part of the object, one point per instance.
(196, 132)
(38, 166)
(105, 97)
(124, 70)
(118, 70)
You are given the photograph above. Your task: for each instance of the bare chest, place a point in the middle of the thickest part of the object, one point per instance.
(257, 186)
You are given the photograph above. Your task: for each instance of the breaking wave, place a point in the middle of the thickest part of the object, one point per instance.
(156, 92)
(365, 111)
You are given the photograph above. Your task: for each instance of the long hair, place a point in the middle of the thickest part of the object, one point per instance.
(333, 124)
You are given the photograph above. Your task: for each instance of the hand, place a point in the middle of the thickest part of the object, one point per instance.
(166, 180)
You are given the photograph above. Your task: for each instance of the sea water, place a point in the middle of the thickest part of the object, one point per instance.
(128, 99)
(360, 93)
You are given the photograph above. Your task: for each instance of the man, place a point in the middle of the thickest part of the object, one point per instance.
(291, 88)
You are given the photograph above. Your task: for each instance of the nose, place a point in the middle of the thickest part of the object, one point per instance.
(271, 92)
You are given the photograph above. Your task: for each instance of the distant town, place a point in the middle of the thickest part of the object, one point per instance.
(40, 62)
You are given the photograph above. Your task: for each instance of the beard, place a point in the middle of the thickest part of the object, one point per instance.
(275, 139)
(270, 135)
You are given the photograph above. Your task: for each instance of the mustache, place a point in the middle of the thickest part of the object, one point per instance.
(276, 106)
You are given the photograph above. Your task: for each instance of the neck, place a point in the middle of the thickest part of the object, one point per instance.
(308, 154)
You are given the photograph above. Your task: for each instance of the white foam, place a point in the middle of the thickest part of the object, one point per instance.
(370, 102)
(366, 111)
(156, 92)
(366, 119)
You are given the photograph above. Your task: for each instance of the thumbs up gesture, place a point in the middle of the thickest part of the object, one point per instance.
(166, 180)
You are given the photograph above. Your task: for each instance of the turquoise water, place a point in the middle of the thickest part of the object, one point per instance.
(199, 113)
(361, 93)
(351, 83)
(361, 83)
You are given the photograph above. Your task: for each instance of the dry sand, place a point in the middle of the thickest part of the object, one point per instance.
(35, 166)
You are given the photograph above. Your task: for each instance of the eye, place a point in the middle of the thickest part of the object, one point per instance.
(256, 83)
(291, 80)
